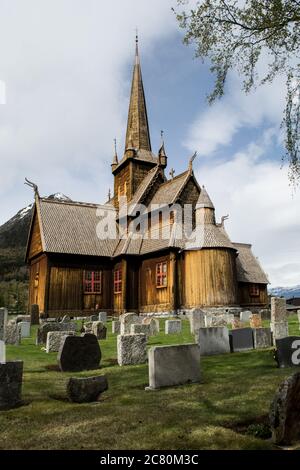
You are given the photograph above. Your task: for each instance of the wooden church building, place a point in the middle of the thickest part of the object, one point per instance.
(74, 271)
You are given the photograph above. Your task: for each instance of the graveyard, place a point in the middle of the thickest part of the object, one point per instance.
(227, 409)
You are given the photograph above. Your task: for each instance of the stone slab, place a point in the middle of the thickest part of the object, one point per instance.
(128, 319)
(102, 317)
(173, 365)
(86, 389)
(25, 329)
(279, 330)
(140, 328)
(262, 338)
(13, 334)
(115, 327)
(3, 322)
(197, 320)
(256, 321)
(79, 353)
(241, 339)
(44, 329)
(99, 330)
(153, 325)
(173, 327)
(2, 351)
(212, 341)
(245, 316)
(55, 339)
(132, 349)
(11, 378)
(278, 310)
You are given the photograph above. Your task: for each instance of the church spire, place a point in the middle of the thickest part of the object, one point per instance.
(137, 135)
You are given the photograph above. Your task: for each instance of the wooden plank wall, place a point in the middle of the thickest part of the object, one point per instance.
(38, 282)
(35, 247)
(203, 284)
(246, 300)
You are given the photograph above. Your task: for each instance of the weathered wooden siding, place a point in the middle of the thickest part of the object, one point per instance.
(38, 281)
(35, 244)
(245, 299)
(208, 278)
(153, 299)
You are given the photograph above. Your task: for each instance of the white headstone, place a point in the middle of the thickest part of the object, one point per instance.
(172, 327)
(128, 319)
(2, 352)
(3, 322)
(103, 317)
(25, 329)
(245, 316)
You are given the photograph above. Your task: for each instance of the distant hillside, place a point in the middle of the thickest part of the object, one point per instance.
(287, 292)
(13, 240)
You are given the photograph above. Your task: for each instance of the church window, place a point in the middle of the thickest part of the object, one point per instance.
(92, 282)
(161, 275)
(254, 290)
(118, 281)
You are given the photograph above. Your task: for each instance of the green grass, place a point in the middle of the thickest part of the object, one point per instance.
(236, 389)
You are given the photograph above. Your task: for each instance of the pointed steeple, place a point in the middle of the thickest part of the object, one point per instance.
(115, 161)
(205, 210)
(162, 157)
(137, 135)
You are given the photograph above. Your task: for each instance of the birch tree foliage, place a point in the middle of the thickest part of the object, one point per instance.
(233, 35)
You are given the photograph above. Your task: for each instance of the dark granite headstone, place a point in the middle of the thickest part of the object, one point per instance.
(241, 339)
(11, 377)
(78, 353)
(262, 338)
(287, 352)
(86, 389)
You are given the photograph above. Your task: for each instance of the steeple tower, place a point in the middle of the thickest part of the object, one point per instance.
(137, 135)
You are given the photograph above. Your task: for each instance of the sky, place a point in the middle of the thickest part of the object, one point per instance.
(67, 66)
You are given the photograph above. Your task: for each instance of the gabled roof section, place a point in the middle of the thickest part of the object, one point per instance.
(169, 191)
(204, 200)
(146, 184)
(70, 228)
(248, 266)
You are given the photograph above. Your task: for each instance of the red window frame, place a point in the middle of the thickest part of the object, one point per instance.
(254, 290)
(161, 275)
(92, 282)
(118, 281)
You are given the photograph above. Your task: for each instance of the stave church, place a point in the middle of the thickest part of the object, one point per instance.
(155, 268)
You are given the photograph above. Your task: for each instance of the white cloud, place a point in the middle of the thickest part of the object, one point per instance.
(65, 64)
(219, 123)
(263, 209)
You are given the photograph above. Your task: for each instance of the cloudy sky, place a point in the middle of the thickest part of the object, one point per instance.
(67, 69)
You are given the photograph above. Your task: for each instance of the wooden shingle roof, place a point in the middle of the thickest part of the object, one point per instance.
(248, 266)
(70, 228)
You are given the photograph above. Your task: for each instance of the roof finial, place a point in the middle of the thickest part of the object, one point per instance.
(136, 45)
(162, 137)
(33, 186)
(191, 161)
(115, 159)
(109, 194)
(172, 173)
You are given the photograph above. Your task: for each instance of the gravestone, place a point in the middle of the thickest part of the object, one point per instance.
(265, 314)
(132, 349)
(3, 322)
(2, 351)
(236, 323)
(241, 339)
(197, 320)
(102, 317)
(55, 338)
(25, 329)
(298, 314)
(86, 389)
(65, 319)
(172, 327)
(128, 319)
(278, 309)
(78, 353)
(11, 377)
(255, 321)
(279, 330)
(285, 412)
(44, 329)
(153, 324)
(212, 341)
(99, 330)
(25, 318)
(287, 352)
(35, 314)
(173, 365)
(13, 334)
(88, 327)
(245, 316)
(140, 328)
(115, 327)
(215, 321)
(262, 338)
(94, 318)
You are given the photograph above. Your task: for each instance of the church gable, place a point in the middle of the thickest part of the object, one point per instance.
(35, 246)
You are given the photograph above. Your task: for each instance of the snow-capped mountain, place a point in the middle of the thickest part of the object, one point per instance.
(287, 292)
(13, 238)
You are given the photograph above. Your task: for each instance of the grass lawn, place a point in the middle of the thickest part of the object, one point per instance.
(236, 391)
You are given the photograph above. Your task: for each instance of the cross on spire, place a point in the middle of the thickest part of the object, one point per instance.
(172, 173)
